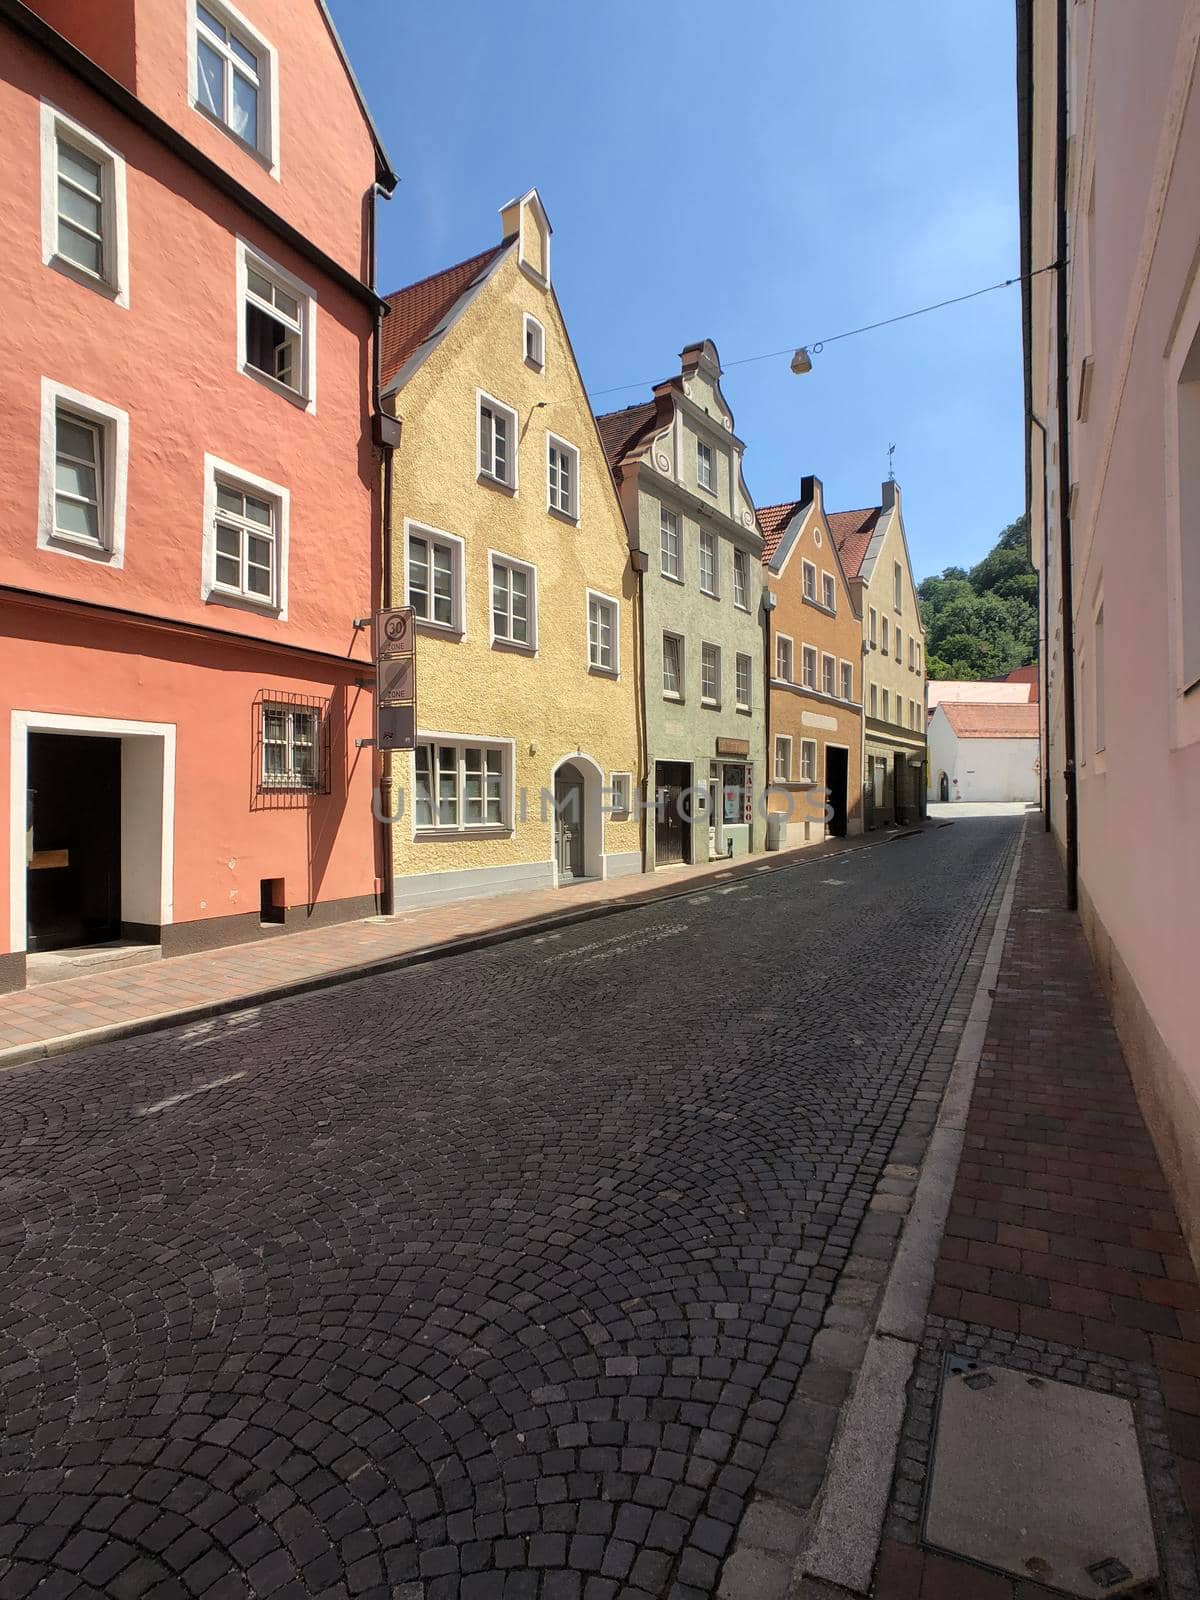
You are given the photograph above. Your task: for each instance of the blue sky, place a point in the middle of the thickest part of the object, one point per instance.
(762, 173)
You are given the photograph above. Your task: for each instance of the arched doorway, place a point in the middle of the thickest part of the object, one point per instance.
(578, 821)
(943, 788)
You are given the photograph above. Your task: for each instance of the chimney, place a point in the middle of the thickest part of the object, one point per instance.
(891, 495)
(812, 491)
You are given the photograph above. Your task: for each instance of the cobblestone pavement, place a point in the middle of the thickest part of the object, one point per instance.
(489, 1279)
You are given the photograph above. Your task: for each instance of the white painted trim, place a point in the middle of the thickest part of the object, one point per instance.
(115, 470)
(556, 440)
(114, 285)
(505, 828)
(834, 693)
(23, 723)
(209, 592)
(268, 85)
(527, 320)
(710, 702)
(680, 698)
(612, 788)
(530, 649)
(816, 751)
(249, 254)
(849, 699)
(808, 566)
(781, 738)
(715, 592)
(743, 705)
(457, 626)
(1184, 708)
(745, 556)
(595, 859)
(481, 398)
(614, 671)
(815, 685)
(787, 639)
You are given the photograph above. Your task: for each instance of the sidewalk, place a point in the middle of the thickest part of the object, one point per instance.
(1061, 1255)
(74, 1012)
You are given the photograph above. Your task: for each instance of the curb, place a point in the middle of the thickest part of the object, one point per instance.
(844, 1538)
(65, 1044)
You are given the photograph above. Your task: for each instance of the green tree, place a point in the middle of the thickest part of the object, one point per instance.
(983, 623)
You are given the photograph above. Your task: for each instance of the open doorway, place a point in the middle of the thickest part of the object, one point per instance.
(837, 785)
(73, 818)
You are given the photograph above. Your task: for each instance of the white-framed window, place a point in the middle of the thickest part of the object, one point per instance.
(85, 223)
(83, 476)
(497, 441)
(744, 681)
(620, 794)
(828, 591)
(808, 667)
(808, 761)
(433, 577)
(741, 580)
(604, 633)
(883, 636)
(461, 786)
(234, 74)
(277, 327)
(897, 586)
(562, 477)
(898, 646)
(514, 601)
(672, 655)
(887, 702)
(810, 580)
(828, 676)
(291, 748)
(912, 653)
(710, 674)
(783, 758)
(918, 658)
(535, 343)
(847, 680)
(704, 465)
(708, 561)
(670, 546)
(873, 635)
(245, 538)
(783, 658)
(874, 711)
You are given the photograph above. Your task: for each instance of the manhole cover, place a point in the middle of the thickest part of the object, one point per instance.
(1040, 1479)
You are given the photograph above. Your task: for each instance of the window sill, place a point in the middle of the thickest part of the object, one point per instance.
(488, 480)
(604, 672)
(738, 606)
(269, 381)
(710, 594)
(673, 699)
(242, 602)
(819, 605)
(62, 544)
(535, 366)
(671, 577)
(444, 630)
(470, 830)
(744, 711)
(709, 705)
(262, 158)
(514, 647)
(104, 287)
(569, 517)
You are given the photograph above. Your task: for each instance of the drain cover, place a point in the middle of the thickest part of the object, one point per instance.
(1042, 1480)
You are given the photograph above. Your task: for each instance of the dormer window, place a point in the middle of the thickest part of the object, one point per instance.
(233, 73)
(535, 344)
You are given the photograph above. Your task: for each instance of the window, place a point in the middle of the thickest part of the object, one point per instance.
(883, 638)
(277, 326)
(874, 700)
(497, 442)
(828, 592)
(918, 658)
(460, 786)
(808, 659)
(669, 545)
(514, 603)
(783, 758)
(912, 653)
(535, 343)
(246, 526)
(233, 78)
(828, 676)
(810, 580)
(704, 465)
(562, 477)
(783, 658)
(872, 635)
(898, 646)
(84, 463)
(886, 706)
(710, 675)
(743, 679)
(602, 633)
(672, 667)
(708, 561)
(434, 577)
(847, 680)
(897, 585)
(84, 216)
(1098, 687)
(808, 761)
(620, 794)
(290, 747)
(741, 580)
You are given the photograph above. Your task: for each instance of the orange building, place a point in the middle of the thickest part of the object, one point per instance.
(814, 672)
(191, 514)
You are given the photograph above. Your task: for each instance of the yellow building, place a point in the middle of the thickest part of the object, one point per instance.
(509, 542)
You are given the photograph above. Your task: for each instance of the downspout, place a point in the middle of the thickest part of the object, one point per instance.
(1044, 663)
(383, 433)
(1064, 477)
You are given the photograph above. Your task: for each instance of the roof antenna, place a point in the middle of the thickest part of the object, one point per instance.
(891, 463)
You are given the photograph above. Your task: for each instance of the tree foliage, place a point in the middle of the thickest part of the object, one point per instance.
(983, 623)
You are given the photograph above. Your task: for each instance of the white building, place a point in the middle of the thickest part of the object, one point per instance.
(983, 751)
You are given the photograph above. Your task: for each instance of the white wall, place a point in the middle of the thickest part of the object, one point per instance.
(986, 769)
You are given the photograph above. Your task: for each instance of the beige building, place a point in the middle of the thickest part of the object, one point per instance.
(874, 554)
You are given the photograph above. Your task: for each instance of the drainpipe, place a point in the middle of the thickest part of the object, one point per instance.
(1064, 476)
(385, 433)
(1044, 664)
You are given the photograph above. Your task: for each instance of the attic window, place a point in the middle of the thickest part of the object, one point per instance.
(535, 344)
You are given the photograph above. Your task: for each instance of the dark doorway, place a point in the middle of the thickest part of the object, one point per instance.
(568, 804)
(74, 810)
(672, 815)
(837, 782)
(900, 787)
(943, 788)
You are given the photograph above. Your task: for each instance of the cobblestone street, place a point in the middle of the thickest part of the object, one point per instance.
(492, 1278)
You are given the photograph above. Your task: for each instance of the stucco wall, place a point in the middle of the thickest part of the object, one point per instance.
(549, 703)
(892, 672)
(986, 769)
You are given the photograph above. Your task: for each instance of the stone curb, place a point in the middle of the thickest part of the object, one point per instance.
(843, 1540)
(64, 1044)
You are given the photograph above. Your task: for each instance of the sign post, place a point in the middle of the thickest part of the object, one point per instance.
(396, 679)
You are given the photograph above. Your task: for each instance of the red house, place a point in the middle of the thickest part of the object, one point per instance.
(191, 512)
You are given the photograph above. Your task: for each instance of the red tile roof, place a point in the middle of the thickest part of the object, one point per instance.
(852, 532)
(772, 520)
(972, 720)
(618, 429)
(417, 310)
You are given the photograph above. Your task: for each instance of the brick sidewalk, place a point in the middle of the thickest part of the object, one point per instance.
(36, 1020)
(1062, 1245)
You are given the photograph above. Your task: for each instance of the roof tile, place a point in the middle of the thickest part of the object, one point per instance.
(772, 520)
(971, 720)
(418, 309)
(852, 531)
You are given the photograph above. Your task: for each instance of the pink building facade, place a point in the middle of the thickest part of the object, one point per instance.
(1110, 180)
(191, 520)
